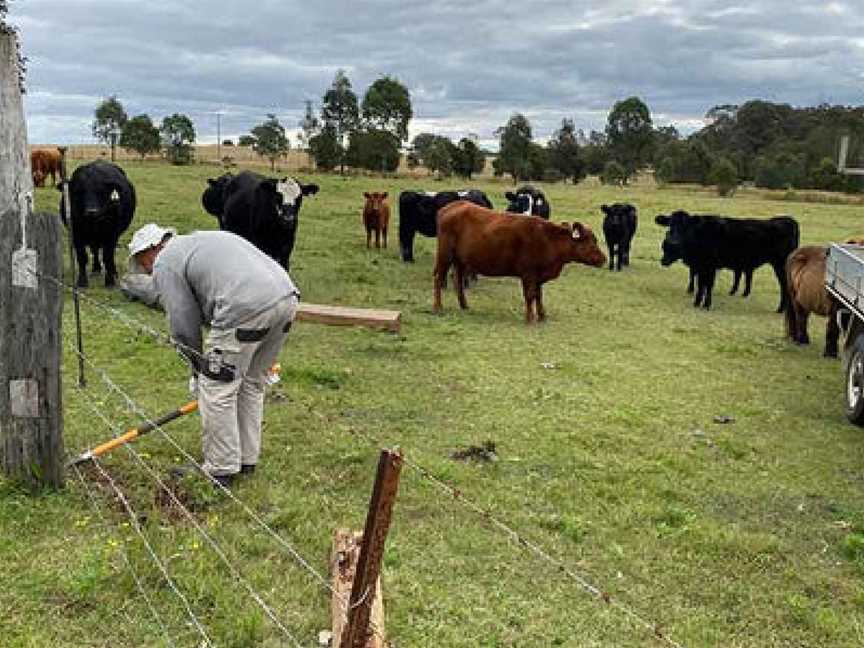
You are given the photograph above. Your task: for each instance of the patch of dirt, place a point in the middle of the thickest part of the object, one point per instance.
(486, 453)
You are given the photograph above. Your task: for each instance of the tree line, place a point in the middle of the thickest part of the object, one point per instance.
(768, 144)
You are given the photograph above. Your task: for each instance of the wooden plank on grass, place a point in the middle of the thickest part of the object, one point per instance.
(346, 552)
(343, 316)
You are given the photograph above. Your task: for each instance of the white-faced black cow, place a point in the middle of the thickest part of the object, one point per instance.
(619, 226)
(102, 203)
(418, 209)
(528, 201)
(262, 210)
(706, 243)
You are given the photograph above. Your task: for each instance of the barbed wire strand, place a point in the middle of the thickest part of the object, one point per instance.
(138, 584)
(457, 495)
(342, 599)
(133, 518)
(213, 544)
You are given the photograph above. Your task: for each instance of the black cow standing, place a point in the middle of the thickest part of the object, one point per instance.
(102, 204)
(528, 201)
(262, 210)
(619, 226)
(418, 210)
(706, 243)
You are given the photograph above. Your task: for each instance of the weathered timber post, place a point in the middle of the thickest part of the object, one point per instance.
(357, 633)
(31, 423)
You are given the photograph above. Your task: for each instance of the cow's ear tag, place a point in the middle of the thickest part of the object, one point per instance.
(115, 196)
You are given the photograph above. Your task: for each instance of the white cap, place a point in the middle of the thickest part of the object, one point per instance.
(148, 236)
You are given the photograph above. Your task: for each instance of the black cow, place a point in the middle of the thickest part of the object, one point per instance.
(528, 201)
(213, 198)
(264, 211)
(706, 243)
(102, 203)
(417, 212)
(619, 226)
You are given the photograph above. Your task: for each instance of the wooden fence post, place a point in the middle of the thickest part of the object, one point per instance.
(31, 423)
(356, 633)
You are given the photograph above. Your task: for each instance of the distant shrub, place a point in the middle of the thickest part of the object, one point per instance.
(724, 175)
(613, 173)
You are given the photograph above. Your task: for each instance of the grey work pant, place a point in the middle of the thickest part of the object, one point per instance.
(231, 412)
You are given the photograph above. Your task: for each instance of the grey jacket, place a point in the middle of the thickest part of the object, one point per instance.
(216, 279)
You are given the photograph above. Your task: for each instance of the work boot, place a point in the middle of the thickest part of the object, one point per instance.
(247, 469)
(222, 480)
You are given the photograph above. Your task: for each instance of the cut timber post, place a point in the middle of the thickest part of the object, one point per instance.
(342, 316)
(357, 632)
(31, 423)
(346, 553)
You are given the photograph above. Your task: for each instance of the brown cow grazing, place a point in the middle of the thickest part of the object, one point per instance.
(44, 162)
(497, 244)
(376, 217)
(805, 283)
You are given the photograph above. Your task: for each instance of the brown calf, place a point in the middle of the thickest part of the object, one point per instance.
(476, 239)
(44, 162)
(376, 217)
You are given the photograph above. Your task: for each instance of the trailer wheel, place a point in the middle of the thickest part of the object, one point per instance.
(855, 383)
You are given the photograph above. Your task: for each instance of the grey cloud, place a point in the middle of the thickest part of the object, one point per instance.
(468, 65)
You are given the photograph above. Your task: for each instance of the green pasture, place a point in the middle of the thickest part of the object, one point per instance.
(743, 534)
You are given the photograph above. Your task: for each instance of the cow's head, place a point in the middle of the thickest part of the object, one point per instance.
(213, 198)
(520, 202)
(94, 196)
(618, 214)
(678, 223)
(584, 248)
(375, 201)
(286, 197)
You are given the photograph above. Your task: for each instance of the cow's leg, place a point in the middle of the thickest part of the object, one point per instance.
(780, 273)
(538, 302)
(406, 246)
(709, 286)
(459, 283)
(735, 281)
(442, 266)
(384, 236)
(377, 238)
(691, 282)
(801, 316)
(832, 332)
(97, 266)
(81, 256)
(368, 238)
(627, 252)
(748, 281)
(110, 268)
(528, 293)
(611, 255)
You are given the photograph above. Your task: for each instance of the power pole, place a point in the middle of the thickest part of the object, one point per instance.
(31, 415)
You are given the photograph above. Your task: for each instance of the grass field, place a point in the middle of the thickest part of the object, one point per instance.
(749, 533)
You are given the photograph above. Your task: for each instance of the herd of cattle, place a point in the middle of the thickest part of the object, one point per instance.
(472, 237)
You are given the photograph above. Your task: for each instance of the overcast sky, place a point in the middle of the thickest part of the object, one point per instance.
(469, 65)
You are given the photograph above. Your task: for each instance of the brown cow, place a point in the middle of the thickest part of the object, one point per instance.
(44, 162)
(497, 244)
(805, 284)
(376, 217)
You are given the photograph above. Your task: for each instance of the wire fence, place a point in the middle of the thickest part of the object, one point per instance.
(454, 495)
